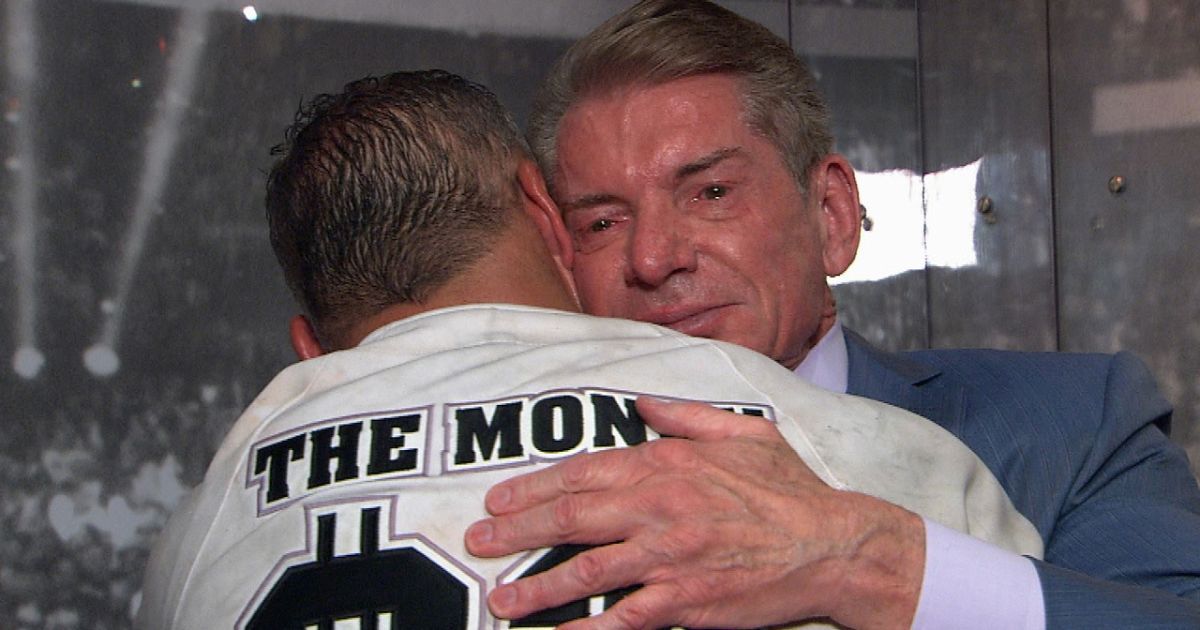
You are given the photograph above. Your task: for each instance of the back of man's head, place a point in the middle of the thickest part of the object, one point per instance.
(656, 41)
(387, 190)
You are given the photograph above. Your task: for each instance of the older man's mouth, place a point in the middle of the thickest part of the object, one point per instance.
(697, 321)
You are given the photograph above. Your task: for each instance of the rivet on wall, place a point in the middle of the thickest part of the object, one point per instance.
(1116, 184)
(987, 209)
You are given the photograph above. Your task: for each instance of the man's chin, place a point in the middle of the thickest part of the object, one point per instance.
(729, 335)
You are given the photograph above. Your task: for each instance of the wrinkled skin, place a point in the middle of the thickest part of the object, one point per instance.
(683, 216)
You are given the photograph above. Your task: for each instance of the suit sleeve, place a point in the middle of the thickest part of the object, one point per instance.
(1125, 548)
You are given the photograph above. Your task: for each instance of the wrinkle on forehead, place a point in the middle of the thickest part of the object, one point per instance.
(643, 133)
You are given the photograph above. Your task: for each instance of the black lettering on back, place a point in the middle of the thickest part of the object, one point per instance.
(274, 459)
(324, 452)
(474, 428)
(387, 444)
(609, 415)
(557, 412)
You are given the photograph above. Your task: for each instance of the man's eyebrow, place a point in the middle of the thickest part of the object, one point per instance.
(683, 172)
(705, 163)
(586, 201)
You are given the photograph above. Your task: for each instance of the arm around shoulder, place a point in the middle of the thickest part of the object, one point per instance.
(1125, 550)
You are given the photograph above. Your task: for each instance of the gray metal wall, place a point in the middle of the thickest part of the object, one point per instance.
(1125, 83)
(140, 304)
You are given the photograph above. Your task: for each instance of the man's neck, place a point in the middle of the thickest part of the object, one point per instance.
(518, 270)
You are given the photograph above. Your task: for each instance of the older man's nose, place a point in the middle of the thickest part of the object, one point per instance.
(660, 247)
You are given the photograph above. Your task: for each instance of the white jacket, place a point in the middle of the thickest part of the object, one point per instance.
(345, 488)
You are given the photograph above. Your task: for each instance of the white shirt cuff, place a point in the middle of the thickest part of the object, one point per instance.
(969, 583)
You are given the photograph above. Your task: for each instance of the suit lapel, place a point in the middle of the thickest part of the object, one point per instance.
(903, 382)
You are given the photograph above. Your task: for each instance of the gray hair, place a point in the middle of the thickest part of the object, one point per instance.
(656, 41)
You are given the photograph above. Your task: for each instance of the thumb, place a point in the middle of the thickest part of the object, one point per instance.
(696, 421)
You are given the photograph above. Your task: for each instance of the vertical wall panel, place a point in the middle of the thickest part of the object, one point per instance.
(985, 107)
(1127, 103)
(864, 55)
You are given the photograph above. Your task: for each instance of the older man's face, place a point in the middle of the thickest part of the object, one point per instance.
(682, 216)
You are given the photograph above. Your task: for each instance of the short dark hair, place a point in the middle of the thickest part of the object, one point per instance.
(387, 190)
(656, 41)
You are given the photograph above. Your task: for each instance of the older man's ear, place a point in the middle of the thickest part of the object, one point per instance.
(841, 216)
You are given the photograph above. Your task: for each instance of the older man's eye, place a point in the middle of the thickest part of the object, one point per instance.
(600, 225)
(713, 193)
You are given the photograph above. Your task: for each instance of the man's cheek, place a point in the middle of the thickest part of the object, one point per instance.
(595, 298)
(747, 332)
(601, 288)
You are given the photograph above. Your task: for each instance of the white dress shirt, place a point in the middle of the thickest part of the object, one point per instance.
(968, 583)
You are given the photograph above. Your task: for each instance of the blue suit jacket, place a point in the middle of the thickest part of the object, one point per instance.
(1079, 441)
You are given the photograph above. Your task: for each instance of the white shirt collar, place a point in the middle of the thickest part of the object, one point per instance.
(827, 365)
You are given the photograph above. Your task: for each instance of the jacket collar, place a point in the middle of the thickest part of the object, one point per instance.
(902, 381)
